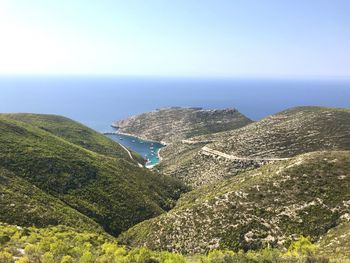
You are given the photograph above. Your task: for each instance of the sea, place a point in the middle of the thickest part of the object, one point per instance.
(149, 150)
(97, 101)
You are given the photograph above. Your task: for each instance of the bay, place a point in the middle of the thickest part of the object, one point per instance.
(98, 101)
(147, 149)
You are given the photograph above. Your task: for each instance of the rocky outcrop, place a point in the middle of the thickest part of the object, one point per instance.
(213, 157)
(175, 124)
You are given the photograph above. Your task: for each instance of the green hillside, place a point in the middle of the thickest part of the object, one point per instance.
(62, 185)
(110, 190)
(76, 133)
(24, 204)
(270, 206)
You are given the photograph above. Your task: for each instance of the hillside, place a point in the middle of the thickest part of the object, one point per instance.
(109, 190)
(336, 243)
(269, 206)
(173, 124)
(288, 133)
(213, 157)
(67, 245)
(76, 133)
(62, 185)
(24, 204)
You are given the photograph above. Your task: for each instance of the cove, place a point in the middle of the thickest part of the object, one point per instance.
(147, 149)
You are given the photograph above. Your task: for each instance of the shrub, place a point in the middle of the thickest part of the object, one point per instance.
(301, 248)
(67, 259)
(6, 257)
(47, 258)
(23, 260)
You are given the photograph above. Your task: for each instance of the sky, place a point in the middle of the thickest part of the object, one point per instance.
(217, 38)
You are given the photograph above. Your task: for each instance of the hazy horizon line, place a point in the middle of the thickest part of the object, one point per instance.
(213, 77)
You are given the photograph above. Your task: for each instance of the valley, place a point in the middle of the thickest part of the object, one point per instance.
(224, 184)
(175, 131)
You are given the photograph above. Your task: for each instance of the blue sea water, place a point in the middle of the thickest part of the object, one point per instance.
(147, 149)
(98, 101)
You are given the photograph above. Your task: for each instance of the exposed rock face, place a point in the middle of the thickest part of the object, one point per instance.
(210, 158)
(308, 195)
(174, 124)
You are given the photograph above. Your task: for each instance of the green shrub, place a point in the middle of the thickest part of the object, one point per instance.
(47, 258)
(66, 245)
(23, 260)
(6, 257)
(167, 257)
(67, 259)
(301, 248)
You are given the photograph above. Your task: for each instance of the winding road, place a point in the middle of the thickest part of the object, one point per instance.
(206, 149)
(130, 155)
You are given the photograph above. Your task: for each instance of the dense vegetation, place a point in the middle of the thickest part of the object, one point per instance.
(306, 195)
(66, 245)
(67, 191)
(76, 133)
(25, 204)
(63, 244)
(112, 191)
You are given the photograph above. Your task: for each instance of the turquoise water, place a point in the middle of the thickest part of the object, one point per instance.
(147, 149)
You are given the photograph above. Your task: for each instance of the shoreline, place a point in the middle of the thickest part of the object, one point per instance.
(138, 137)
(159, 157)
(144, 139)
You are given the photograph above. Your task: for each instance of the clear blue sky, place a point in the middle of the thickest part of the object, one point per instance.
(244, 38)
